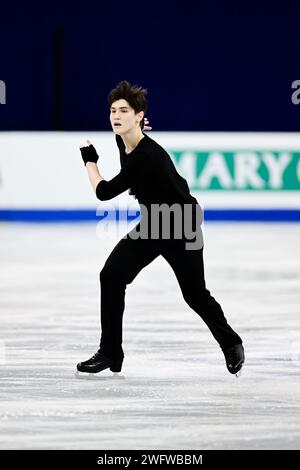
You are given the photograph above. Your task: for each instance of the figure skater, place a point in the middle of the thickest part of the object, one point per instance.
(149, 174)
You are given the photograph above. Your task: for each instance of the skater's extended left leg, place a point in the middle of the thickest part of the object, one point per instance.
(189, 270)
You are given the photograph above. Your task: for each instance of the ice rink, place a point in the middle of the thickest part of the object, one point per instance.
(174, 391)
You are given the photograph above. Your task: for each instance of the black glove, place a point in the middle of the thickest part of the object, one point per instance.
(89, 154)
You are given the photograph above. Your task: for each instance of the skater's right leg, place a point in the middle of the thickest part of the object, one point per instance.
(126, 260)
(99, 362)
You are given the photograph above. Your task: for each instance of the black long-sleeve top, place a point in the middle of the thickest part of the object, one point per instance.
(150, 174)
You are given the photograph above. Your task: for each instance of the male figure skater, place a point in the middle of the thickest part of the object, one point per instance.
(148, 171)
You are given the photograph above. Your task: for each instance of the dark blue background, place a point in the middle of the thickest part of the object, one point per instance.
(207, 66)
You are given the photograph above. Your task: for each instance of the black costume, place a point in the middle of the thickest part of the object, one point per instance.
(150, 175)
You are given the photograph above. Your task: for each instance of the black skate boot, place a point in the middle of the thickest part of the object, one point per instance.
(99, 362)
(235, 358)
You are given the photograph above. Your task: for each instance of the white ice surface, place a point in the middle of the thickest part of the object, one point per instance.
(174, 391)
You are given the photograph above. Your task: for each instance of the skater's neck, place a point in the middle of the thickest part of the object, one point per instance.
(131, 139)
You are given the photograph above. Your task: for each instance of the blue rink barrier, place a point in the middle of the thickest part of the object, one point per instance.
(89, 215)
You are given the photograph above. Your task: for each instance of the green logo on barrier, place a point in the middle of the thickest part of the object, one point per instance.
(239, 170)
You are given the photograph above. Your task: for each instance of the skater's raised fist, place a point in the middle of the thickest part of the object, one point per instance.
(88, 153)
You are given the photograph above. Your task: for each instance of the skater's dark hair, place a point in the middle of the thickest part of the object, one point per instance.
(133, 94)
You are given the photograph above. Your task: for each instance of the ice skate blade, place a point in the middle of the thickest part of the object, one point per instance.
(80, 374)
(97, 376)
(118, 376)
(238, 374)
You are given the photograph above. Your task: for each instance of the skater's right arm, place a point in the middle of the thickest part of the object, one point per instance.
(109, 189)
(90, 158)
(129, 173)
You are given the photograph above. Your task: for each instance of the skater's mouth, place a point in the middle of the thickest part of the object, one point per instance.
(117, 124)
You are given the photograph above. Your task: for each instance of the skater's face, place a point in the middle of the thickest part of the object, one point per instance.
(123, 118)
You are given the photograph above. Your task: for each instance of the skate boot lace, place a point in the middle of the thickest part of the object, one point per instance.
(98, 355)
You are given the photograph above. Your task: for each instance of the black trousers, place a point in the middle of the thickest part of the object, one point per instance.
(127, 259)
